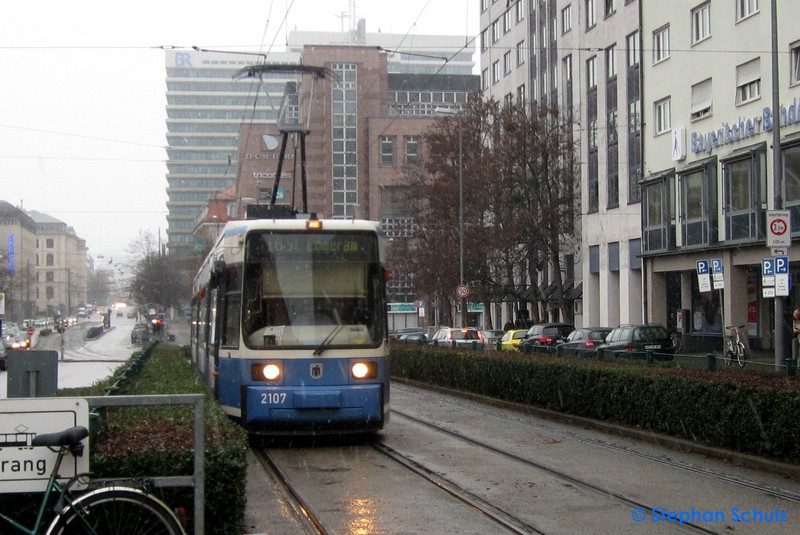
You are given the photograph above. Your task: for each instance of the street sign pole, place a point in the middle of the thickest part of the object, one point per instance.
(779, 236)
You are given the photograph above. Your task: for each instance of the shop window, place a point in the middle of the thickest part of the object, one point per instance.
(791, 178)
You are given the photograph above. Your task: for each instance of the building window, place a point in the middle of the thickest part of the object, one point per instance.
(485, 79)
(657, 212)
(344, 140)
(745, 185)
(507, 21)
(795, 66)
(508, 100)
(635, 253)
(661, 44)
(611, 7)
(50, 293)
(699, 205)
(484, 41)
(591, 72)
(387, 151)
(496, 31)
(634, 119)
(663, 119)
(49, 243)
(520, 10)
(592, 183)
(745, 8)
(701, 23)
(50, 260)
(748, 81)
(591, 17)
(507, 63)
(613, 256)
(611, 62)
(412, 150)
(612, 134)
(50, 276)
(632, 45)
(520, 53)
(594, 259)
(566, 71)
(521, 99)
(593, 174)
(496, 72)
(701, 100)
(566, 19)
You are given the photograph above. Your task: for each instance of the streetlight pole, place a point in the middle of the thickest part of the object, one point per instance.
(461, 220)
(461, 286)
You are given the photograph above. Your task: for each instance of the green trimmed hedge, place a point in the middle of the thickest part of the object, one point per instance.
(747, 413)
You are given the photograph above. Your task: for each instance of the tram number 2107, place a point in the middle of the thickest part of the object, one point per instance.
(273, 398)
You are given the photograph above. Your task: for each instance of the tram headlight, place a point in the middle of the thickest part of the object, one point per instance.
(364, 370)
(266, 372)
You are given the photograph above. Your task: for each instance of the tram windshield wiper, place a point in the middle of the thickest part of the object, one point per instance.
(331, 335)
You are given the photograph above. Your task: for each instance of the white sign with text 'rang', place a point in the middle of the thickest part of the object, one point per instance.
(24, 468)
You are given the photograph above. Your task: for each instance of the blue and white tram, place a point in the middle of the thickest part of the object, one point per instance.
(289, 326)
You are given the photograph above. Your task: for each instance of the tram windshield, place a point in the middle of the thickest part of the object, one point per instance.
(321, 290)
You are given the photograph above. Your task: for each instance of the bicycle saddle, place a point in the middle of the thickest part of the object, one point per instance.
(67, 437)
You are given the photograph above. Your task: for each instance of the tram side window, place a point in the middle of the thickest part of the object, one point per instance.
(230, 326)
(232, 307)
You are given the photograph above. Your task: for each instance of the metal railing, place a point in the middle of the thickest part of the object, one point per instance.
(197, 479)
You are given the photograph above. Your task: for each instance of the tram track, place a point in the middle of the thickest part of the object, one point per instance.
(504, 518)
(446, 475)
(303, 512)
(560, 474)
(486, 411)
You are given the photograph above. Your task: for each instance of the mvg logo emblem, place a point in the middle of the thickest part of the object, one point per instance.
(316, 370)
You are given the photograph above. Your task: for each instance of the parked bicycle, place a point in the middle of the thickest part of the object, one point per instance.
(734, 346)
(97, 510)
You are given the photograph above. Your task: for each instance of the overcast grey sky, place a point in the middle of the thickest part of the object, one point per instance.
(82, 99)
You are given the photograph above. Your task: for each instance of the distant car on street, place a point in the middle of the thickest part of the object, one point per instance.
(546, 334)
(140, 333)
(457, 336)
(492, 337)
(511, 339)
(397, 333)
(640, 339)
(418, 337)
(584, 339)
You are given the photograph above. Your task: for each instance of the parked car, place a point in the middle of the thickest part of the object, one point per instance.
(584, 339)
(140, 333)
(416, 336)
(461, 337)
(640, 338)
(492, 337)
(546, 334)
(511, 339)
(397, 333)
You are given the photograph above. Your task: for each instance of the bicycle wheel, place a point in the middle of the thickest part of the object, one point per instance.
(117, 510)
(728, 357)
(741, 354)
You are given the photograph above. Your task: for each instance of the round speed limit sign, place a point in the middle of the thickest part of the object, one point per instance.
(462, 291)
